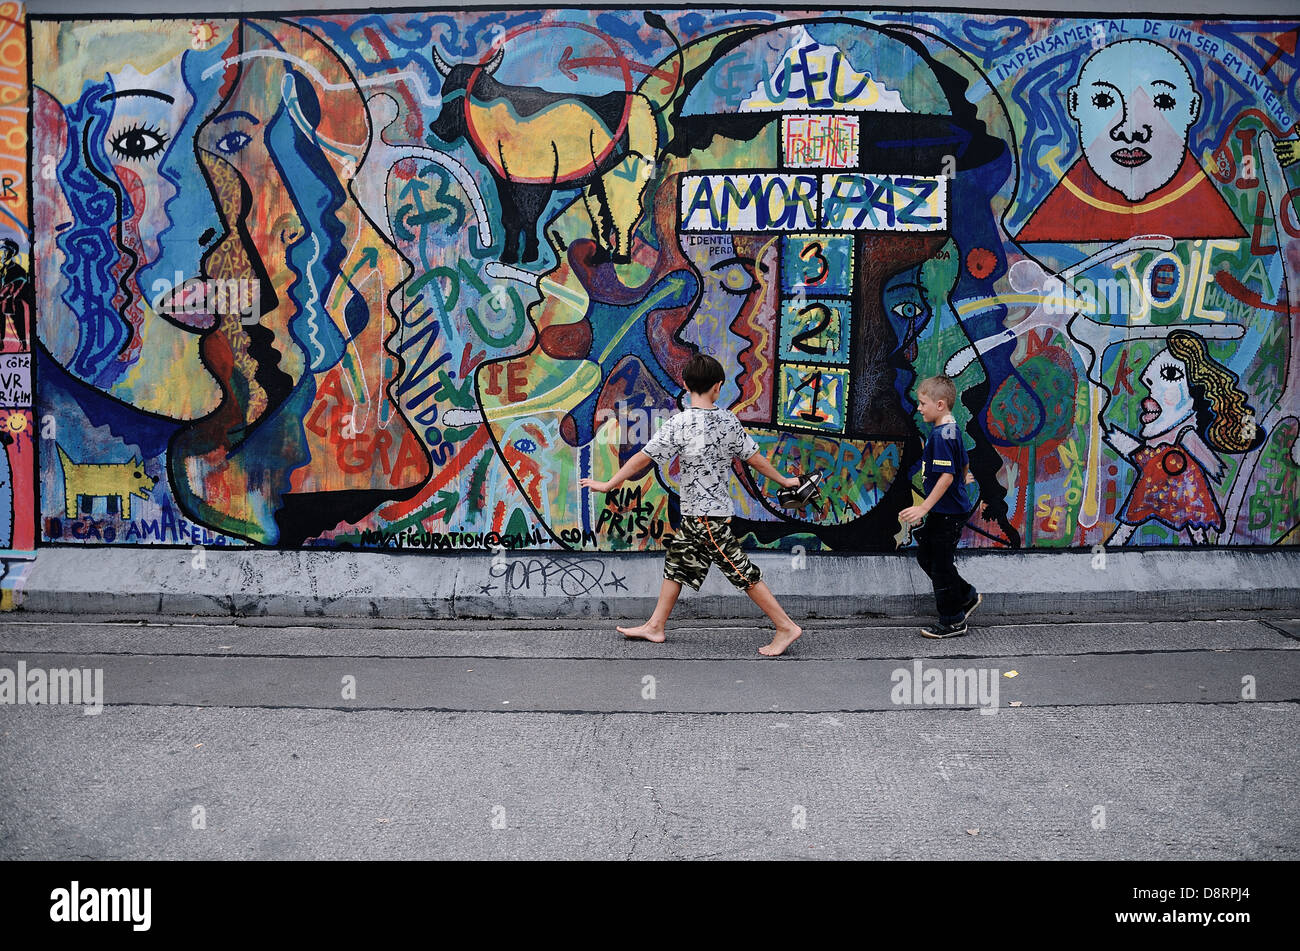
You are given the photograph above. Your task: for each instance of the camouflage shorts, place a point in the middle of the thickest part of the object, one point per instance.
(702, 540)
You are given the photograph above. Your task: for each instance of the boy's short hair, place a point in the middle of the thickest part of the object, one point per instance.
(702, 372)
(939, 388)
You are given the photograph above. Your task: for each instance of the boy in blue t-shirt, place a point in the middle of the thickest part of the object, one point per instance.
(947, 505)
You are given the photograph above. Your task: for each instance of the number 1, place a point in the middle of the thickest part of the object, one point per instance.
(815, 380)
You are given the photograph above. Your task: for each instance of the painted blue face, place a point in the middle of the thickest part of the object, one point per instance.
(1134, 105)
(135, 222)
(909, 313)
(190, 216)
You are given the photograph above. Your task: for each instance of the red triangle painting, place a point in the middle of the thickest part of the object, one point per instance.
(1084, 208)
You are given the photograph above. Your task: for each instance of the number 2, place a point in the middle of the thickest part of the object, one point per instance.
(800, 340)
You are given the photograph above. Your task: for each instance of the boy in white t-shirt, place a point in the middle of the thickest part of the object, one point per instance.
(705, 438)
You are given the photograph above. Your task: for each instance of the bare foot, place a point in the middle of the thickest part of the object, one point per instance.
(785, 636)
(645, 632)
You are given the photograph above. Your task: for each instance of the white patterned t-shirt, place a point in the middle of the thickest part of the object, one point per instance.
(705, 441)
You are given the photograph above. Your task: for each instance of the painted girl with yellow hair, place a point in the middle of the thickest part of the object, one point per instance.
(1195, 410)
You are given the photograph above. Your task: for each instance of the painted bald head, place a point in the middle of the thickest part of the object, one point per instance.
(1134, 105)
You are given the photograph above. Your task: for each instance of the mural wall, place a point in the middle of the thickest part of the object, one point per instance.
(17, 452)
(399, 280)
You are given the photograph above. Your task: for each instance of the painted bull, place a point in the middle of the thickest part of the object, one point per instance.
(535, 141)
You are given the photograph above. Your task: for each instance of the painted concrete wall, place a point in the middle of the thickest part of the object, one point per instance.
(17, 448)
(401, 279)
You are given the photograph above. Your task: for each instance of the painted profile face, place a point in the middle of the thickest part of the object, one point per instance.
(1170, 403)
(307, 435)
(1133, 106)
(909, 314)
(732, 283)
(281, 151)
(125, 201)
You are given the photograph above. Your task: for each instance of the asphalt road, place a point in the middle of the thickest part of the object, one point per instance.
(250, 739)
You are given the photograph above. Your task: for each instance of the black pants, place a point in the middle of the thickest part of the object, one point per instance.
(936, 546)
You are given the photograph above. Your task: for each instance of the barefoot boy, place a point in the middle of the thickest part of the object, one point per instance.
(943, 480)
(705, 438)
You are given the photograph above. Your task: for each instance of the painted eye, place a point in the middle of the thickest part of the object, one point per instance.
(233, 142)
(138, 143)
(907, 310)
(1171, 373)
(736, 275)
(1103, 100)
(1163, 101)
(525, 445)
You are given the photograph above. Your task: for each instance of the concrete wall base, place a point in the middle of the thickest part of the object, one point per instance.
(532, 585)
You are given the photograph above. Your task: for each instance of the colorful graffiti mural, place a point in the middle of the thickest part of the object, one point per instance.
(400, 280)
(17, 450)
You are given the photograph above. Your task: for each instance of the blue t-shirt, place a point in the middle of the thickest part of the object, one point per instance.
(946, 453)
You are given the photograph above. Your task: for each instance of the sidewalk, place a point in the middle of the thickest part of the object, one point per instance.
(322, 584)
(382, 739)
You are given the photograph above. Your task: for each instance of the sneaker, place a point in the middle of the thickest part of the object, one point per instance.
(969, 607)
(944, 630)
